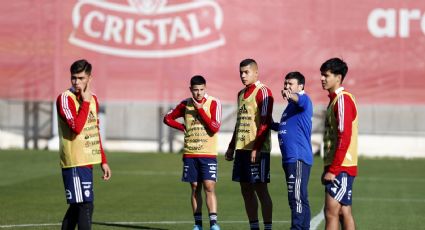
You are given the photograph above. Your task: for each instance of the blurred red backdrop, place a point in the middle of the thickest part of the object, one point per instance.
(144, 50)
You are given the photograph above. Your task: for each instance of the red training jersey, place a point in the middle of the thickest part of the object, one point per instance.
(345, 112)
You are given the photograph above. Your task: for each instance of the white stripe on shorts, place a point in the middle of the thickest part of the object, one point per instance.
(77, 187)
(341, 192)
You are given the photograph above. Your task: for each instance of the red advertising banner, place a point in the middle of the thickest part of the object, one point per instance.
(147, 50)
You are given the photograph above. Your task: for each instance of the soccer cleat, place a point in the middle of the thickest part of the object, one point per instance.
(215, 227)
(197, 227)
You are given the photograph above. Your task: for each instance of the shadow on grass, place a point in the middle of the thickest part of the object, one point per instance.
(126, 226)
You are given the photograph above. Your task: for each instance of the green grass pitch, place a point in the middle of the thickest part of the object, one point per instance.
(145, 192)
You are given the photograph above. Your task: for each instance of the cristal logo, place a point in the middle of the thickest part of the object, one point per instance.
(393, 23)
(147, 28)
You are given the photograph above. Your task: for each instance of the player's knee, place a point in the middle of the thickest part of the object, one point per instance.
(195, 187)
(209, 189)
(248, 193)
(262, 192)
(346, 211)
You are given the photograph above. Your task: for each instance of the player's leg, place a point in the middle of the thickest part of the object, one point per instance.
(208, 171)
(332, 210)
(190, 175)
(339, 195)
(211, 200)
(196, 197)
(242, 173)
(210, 197)
(346, 215)
(85, 213)
(261, 177)
(263, 194)
(71, 218)
(347, 218)
(251, 204)
(70, 180)
(85, 197)
(196, 201)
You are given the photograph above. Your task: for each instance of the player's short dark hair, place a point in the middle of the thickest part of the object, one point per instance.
(197, 80)
(80, 66)
(296, 75)
(247, 62)
(335, 66)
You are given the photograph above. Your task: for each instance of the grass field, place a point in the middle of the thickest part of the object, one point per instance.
(145, 192)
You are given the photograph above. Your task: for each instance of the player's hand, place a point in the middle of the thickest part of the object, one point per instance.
(106, 172)
(86, 93)
(255, 156)
(286, 94)
(229, 154)
(328, 177)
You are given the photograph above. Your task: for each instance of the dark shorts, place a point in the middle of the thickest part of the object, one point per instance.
(245, 171)
(199, 169)
(78, 182)
(341, 188)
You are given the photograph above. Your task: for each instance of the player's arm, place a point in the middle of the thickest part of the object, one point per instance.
(212, 124)
(274, 125)
(301, 100)
(265, 101)
(104, 164)
(104, 160)
(172, 115)
(345, 112)
(231, 148)
(68, 112)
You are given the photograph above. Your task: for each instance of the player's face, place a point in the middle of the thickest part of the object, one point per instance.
(198, 91)
(248, 74)
(292, 84)
(79, 81)
(330, 81)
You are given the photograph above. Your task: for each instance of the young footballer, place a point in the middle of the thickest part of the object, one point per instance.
(202, 115)
(251, 142)
(294, 133)
(80, 146)
(340, 146)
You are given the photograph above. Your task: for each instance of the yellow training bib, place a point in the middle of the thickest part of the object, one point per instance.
(84, 148)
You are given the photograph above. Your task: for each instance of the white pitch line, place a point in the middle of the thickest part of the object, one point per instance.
(29, 225)
(173, 173)
(315, 222)
(185, 222)
(402, 200)
(131, 223)
(413, 180)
